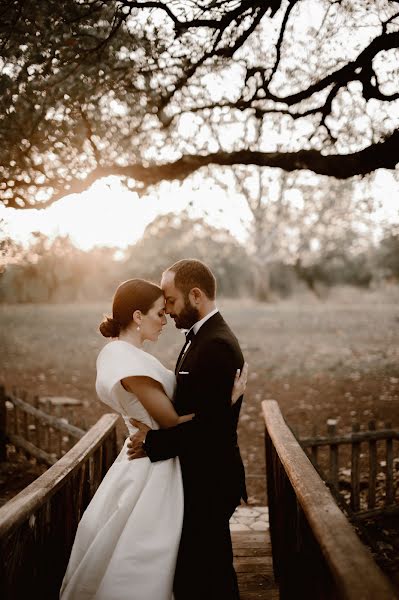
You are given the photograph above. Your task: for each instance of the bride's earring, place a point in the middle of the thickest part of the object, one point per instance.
(138, 328)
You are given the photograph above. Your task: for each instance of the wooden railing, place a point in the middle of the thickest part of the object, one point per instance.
(37, 527)
(37, 433)
(358, 467)
(316, 552)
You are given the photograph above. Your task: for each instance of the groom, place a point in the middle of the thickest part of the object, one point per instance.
(212, 469)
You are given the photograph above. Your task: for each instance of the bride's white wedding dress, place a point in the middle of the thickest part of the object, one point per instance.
(127, 541)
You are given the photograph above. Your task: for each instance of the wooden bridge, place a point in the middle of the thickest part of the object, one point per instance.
(312, 551)
(254, 566)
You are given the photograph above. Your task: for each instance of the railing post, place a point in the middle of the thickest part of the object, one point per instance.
(333, 458)
(316, 552)
(38, 525)
(389, 493)
(271, 498)
(372, 468)
(355, 472)
(298, 567)
(3, 425)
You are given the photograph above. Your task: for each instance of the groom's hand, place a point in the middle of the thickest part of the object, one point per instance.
(135, 446)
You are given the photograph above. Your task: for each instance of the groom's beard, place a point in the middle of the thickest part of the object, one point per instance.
(187, 317)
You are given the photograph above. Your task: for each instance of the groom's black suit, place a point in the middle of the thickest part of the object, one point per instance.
(212, 469)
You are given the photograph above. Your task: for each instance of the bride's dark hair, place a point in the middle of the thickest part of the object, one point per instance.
(131, 295)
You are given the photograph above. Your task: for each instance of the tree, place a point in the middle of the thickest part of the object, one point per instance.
(54, 270)
(172, 237)
(10, 250)
(300, 220)
(138, 88)
(388, 255)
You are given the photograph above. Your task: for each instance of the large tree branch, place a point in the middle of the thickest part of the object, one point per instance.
(359, 69)
(352, 71)
(279, 42)
(243, 105)
(380, 155)
(230, 50)
(224, 15)
(255, 9)
(191, 68)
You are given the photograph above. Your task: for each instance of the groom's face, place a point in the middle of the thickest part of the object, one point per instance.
(177, 305)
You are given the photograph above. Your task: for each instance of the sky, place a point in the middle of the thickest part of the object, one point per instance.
(110, 215)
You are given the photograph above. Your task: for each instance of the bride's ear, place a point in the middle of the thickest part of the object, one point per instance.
(137, 317)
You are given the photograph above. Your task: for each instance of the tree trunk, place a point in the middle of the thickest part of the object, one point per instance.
(261, 275)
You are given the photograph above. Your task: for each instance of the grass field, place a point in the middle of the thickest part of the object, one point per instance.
(319, 359)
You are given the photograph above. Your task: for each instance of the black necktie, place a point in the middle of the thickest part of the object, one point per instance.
(189, 337)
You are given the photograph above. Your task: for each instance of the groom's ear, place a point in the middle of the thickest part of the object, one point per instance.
(196, 295)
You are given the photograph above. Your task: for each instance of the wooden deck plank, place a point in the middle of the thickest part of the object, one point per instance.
(254, 566)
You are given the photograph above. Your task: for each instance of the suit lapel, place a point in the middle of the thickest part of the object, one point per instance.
(179, 358)
(214, 320)
(186, 350)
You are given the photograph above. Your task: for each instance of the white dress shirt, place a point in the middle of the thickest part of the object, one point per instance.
(200, 323)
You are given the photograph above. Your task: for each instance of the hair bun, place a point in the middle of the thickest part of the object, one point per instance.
(110, 327)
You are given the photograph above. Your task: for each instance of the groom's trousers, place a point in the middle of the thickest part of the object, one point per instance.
(204, 569)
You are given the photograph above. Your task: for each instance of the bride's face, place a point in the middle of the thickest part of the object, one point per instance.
(153, 322)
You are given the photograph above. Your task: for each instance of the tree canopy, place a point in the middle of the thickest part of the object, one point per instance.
(156, 90)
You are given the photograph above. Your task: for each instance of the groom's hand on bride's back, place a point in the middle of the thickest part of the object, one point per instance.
(135, 446)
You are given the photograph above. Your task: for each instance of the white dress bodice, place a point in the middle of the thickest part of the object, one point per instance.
(118, 360)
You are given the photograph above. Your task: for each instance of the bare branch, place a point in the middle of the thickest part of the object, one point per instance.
(356, 70)
(90, 136)
(279, 43)
(221, 20)
(379, 155)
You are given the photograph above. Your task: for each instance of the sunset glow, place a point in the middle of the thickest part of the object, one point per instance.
(110, 215)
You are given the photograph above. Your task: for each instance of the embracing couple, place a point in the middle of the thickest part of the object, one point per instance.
(158, 526)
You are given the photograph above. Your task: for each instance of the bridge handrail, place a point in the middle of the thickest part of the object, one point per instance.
(37, 527)
(304, 513)
(19, 508)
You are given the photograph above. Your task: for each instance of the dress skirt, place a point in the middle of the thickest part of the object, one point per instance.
(127, 541)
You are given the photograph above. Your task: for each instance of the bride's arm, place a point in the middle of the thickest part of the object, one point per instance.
(155, 401)
(152, 396)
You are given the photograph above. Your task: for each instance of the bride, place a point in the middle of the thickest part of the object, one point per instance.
(127, 540)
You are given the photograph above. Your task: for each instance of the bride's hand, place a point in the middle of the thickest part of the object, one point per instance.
(240, 383)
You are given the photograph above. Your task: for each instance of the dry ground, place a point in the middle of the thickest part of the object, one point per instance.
(319, 359)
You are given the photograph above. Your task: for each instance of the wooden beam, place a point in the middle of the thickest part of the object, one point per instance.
(351, 564)
(55, 422)
(19, 508)
(253, 564)
(349, 438)
(20, 442)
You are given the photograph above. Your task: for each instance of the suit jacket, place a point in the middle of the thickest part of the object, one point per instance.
(207, 446)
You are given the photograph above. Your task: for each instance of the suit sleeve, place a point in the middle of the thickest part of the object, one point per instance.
(214, 417)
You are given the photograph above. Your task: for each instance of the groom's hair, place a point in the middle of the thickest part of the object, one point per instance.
(190, 273)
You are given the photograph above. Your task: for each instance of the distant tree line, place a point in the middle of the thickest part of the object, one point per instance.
(54, 270)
